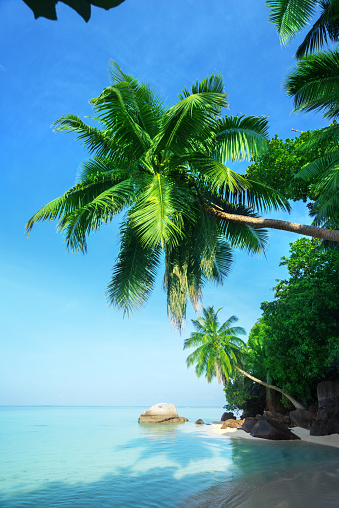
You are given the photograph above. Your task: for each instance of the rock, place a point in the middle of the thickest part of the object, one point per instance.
(313, 409)
(328, 409)
(161, 413)
(328, 394)
(226, 416)
(270, 429)
(301, 418)
(319, 428)
(333, 423)
(200, 422)
(232, 423)
(248, 424)
(278, 417)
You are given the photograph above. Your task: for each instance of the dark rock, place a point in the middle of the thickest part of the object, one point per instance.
(328, 400)
(301, 418)
(248, 424)
(333, 423)
(313, 409)
(226, 416)
(270, 429)
(274, 404)
(319, 428)
(200, 422)
(278, 417)
(328, 394)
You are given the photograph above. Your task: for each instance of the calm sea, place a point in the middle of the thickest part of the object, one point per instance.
(78, 457)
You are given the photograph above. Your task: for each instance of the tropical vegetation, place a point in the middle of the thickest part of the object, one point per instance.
(313, 86)
(291, 16)
(296, 340)
(165, 168)
(221, 353)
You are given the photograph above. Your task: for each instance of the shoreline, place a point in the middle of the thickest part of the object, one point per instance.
(304, 434)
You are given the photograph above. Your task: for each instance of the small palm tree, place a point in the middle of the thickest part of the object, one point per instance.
(220, 351)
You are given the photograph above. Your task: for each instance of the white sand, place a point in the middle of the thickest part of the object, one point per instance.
(332, 440)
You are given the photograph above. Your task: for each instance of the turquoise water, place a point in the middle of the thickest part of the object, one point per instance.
(78, 457)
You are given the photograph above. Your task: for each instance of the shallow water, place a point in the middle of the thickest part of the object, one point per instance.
(78, 457)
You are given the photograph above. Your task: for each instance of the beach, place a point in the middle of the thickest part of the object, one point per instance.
(303, 434)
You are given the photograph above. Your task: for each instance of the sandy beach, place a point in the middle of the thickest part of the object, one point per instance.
(332, 440)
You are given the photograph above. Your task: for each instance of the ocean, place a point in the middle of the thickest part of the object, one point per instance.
(79, 457)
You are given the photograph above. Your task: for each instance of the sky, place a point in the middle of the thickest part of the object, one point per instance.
(61, 344)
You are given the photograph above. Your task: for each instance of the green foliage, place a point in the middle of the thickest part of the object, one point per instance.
(282, 162)
(244, 395)
(291, 16)
(165, 169)
(46, 8)
(219, 347)
(301, 326)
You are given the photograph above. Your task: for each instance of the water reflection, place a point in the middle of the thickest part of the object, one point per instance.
(276, 475)
(156, 430)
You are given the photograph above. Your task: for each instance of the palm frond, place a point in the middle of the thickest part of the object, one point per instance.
(314, 84)
(256, 196)
(327, 137)
(134, 273)
(240, 137)
(187, 120)
(326, 27)
(89, 217)
(290, 16)
(158, 215)
(95, 140)
(323, 167)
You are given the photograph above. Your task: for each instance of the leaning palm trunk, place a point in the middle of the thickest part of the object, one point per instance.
(295, 403)
(324, 234)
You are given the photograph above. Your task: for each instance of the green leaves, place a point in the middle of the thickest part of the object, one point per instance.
(166, 169)
(134, 273)
(314, 84)
(290, 16)
(157, 217)
(240, 137)
(46, 8)
(219, 347)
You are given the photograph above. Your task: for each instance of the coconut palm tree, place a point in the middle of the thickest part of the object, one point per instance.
(220, 352)
(313, 85)
(291, 16)
(166, 170)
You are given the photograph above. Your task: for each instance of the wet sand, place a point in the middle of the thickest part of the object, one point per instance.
(332, 440)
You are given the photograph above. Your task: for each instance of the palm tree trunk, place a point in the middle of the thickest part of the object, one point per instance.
(295, 403)
(324, 234)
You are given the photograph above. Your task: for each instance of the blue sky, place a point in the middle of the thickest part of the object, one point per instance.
(60, 342)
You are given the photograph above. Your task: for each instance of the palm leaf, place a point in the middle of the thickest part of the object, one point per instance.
(134, 273)
(188, 119)
(290, 16)
(326, 27)
(314, 84)
(240, 137)
(157, 217)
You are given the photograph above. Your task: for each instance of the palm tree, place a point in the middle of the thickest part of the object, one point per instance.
(220, 351)
(313, 85)
(291, 16)
(166, 169)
